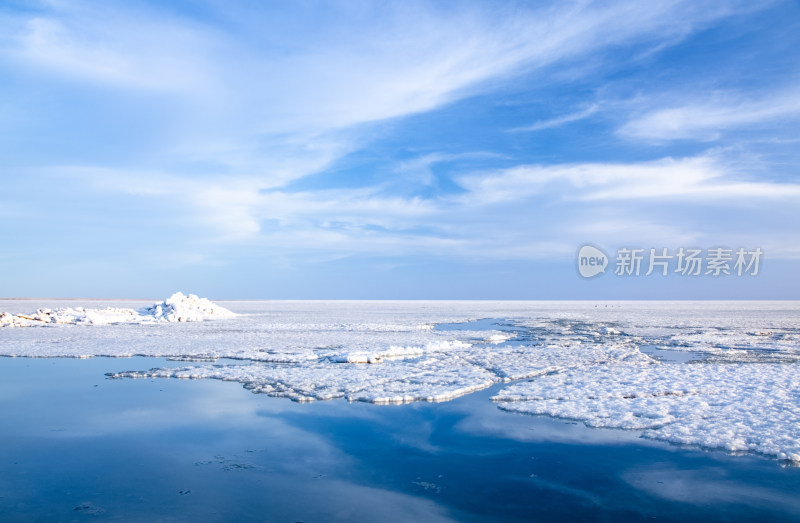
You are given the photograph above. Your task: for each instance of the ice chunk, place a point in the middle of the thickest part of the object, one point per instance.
(395, 353)
(499, 338)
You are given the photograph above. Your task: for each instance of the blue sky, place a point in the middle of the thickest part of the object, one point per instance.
(394, 149)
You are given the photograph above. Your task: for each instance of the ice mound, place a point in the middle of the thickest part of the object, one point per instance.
(71, 316)
(176, 308)
(186, 308)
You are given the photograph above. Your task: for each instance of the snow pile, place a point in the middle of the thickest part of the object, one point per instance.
(186, 308)
(177, 307)
(71, 316)
(736, 407)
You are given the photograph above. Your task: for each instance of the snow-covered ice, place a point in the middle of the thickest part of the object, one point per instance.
(176, 308)
(736, 406)
(734, 386)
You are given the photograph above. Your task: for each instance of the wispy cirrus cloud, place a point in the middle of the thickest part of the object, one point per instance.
(110, 47)
(705, 177)
(706, 121)
(559, 120)
(234, 210)
(499, 214)
(304, 131)
(280, 93)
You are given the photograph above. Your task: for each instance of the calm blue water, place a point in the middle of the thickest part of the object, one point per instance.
(75, 446)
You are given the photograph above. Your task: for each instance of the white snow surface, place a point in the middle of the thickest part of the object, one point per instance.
(713, 374)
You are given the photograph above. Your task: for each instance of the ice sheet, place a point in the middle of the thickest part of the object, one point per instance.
(735, 389)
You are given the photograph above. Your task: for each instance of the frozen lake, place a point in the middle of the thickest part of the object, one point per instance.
(76, 446)
(405, 411)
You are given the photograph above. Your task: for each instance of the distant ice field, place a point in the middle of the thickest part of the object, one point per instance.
(712, 374)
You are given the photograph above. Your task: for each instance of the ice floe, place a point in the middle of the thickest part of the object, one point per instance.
(434, 375)
(433, 380)
(735, 406)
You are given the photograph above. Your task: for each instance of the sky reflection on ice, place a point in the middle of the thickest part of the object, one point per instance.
(130, 448)
(438, 351)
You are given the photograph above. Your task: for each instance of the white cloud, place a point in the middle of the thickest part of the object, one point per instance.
(120, 49)
(706, 121)
(611, 227)
(419, 170)
(525, 212)
(232, 210)
(702, 177)
(272, 94)
(559, 121)
(271, 104)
